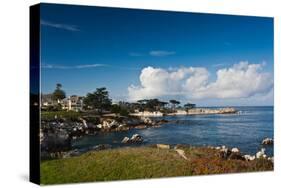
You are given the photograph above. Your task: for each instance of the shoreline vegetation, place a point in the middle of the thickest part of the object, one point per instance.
(66, 119)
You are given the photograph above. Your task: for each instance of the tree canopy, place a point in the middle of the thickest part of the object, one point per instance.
(98, 100)
(58, 94)
(151, 104)
(189, 106)
(174, 103)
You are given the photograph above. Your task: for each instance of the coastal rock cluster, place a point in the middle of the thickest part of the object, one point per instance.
(55, 140)
(234, 153)
(136, 138)
(267, 141)
(56, 135)
(226, 153)
(222, 151)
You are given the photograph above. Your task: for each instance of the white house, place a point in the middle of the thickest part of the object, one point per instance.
(73, 102)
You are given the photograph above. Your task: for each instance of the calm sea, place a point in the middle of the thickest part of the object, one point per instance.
(245, 130)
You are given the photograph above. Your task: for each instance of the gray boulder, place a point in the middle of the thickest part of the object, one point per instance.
(136, 138)
(56, 141)
(267, 141)
(125, 140)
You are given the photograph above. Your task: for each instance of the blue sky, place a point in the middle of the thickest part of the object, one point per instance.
(84, 47)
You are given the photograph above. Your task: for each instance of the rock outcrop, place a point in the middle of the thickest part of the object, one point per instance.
(267, 141)
(136, 138)
(233, 154)
(181, 153)
(249, 157)
(58, 140)
(125, 140)
(235, 150)
(163, 146)
(261, 154)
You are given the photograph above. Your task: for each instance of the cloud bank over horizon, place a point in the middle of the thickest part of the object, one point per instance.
(241, 80)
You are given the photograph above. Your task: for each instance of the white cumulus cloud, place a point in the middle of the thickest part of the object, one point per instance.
(242, 80)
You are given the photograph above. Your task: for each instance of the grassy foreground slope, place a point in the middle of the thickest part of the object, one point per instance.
(143, 162)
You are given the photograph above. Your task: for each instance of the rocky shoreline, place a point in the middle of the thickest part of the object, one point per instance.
(223, 151)
(56, 135)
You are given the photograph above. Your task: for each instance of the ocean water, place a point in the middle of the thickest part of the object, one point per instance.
(244, 130)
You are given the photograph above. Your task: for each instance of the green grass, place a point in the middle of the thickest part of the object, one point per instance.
(68, 115)
(142, 162)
